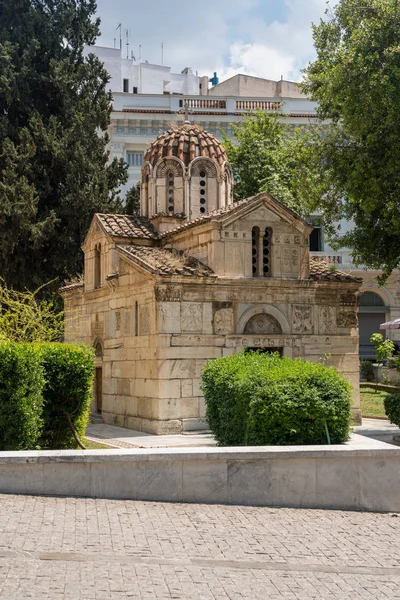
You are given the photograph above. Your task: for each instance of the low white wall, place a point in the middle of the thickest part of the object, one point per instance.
(365, 476)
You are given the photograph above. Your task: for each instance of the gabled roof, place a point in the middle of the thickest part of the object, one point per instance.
(321, 271)
(234, 210)
(163, 261)
(128, 226)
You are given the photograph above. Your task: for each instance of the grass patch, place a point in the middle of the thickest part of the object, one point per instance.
(372, 402)
(95, 446)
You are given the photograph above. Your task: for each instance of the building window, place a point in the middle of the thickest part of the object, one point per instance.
(126, 86)
(134, 159)
(316, 240)
(170, 193)
(97, 266)
(203, 193)
(267, 252)
(255, 245)
(135, 90)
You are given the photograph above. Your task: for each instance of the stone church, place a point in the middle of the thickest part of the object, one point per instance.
(194, 277)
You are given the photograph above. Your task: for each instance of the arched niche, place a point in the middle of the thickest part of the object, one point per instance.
(97, 403)
(271, 311)
(169, 181)
(263, 324)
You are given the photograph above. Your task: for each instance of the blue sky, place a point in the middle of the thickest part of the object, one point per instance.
(266, 38)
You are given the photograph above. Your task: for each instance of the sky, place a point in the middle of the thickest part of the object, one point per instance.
(264, 38)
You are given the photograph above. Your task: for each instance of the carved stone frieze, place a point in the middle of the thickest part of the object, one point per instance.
(302, 318)
(262, 323)
(327, 322)
(168, 293)
(191, 316)
(347, 319)
(348, 299)
(290, 259)
(223, 321)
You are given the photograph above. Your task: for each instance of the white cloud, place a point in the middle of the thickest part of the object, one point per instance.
(278, 48)
(258, 60)
(229, 36)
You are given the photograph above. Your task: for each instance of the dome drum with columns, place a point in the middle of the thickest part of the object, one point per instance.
(185, 175)
(197, 276)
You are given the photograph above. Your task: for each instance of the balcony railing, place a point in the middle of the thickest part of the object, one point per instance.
(331, 259)
(201, 104)
(255, 104)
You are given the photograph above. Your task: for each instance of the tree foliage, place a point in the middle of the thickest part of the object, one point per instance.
(356, 82)
(24, 317)
(271, 156)
(54, 113)
(132, 200)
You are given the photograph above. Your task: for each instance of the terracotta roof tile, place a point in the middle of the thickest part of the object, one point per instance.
(321, 271)
(128, 226)
(186, 142)
(163, 261)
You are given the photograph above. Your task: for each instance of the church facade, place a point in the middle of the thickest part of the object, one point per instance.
(195, 277)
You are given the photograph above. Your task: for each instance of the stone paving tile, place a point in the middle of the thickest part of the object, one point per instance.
(76, 548)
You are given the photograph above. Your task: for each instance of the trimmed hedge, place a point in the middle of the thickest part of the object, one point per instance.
(21, 400)
(67, 393)
(43, 389)
(392, 408)
(262, 399)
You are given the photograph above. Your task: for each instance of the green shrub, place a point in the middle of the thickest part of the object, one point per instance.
(67, 393)
(392, 408)
(262, 399)
(228, 384)
(21, 384)
(367, 370)
(297, 403)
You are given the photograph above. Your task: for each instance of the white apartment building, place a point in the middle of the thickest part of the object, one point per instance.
(148, 98)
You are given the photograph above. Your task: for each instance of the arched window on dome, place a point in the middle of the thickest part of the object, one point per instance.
(267, 252)
(170, 185)
(255, 251)
(203, 192)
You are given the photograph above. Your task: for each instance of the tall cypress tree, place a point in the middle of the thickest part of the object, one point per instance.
(55, 171)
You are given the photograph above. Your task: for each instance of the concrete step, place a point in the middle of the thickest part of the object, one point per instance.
(96, 418)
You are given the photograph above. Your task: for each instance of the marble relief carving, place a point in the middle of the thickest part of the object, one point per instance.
(261, 324)
(191, 316)
(290, 259)
(348, 299)
(168, 294)
(223, 321)
(347, 319)
(327, 319)
(302, 318)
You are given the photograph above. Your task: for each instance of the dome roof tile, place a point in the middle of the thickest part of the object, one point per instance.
(186, 142)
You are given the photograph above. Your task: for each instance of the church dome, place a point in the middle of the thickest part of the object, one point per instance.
(186, 142)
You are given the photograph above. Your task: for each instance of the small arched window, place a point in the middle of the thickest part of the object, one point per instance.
(255, 251)
(97, 266)
(170, 193)
(203, 192)
(267, 252)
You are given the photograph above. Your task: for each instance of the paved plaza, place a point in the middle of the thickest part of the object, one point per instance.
(119, 437)
(70, 548)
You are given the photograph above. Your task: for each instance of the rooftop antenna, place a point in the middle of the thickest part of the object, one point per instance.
(140, 52)
(162, 54)
(119, 26)
(127, 43)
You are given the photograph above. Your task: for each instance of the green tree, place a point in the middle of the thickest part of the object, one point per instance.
(132, 200)
(55, 171)
(356, 81)
(270, 155)
(26, 318)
